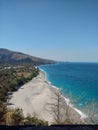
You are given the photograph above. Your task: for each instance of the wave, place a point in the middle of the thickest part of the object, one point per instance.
(67, 100)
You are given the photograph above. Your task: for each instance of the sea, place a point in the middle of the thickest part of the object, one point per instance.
(77, 81)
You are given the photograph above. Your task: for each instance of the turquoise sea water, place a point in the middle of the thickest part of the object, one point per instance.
(79, 79)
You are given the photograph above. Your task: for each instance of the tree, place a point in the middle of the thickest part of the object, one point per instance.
(59, 109)
(17, 116)
(33, 119)
(63, 111)
(91, 111)
(3, 110)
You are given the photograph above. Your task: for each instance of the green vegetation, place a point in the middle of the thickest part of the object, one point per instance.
(16, 117)
(3, 111)
(35, 121)
(12, 77)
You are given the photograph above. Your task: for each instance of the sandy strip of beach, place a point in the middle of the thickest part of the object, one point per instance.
(34, 96)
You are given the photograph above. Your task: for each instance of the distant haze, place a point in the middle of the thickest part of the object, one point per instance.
(63, 30)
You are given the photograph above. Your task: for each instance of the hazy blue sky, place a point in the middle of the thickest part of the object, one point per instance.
(64, 30)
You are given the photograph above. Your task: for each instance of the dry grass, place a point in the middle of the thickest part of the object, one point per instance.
(24, 74)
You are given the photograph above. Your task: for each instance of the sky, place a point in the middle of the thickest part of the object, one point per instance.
(62, 30)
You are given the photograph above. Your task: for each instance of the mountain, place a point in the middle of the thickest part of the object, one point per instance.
(8, 56)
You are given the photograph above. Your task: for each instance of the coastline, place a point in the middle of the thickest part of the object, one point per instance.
(34, 95)
(83, 116)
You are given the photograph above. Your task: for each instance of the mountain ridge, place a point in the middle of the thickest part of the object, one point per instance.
(9, 56)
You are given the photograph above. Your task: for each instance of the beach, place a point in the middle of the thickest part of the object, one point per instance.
(35, 97)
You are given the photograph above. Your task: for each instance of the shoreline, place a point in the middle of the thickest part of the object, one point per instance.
(34, 95)
(66, 99)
